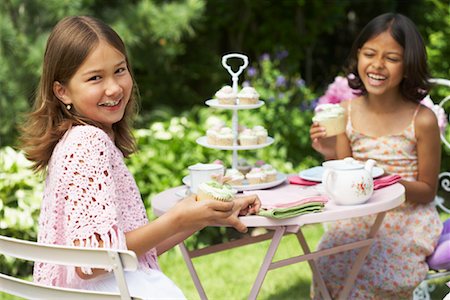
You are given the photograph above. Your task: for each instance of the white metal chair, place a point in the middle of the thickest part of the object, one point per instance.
(422, 292)
(117, 260)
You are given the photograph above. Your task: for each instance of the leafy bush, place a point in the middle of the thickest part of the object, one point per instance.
(20, 195)
(287, 113)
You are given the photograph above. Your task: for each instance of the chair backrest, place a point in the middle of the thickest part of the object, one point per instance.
(117, 260)
(444, 177)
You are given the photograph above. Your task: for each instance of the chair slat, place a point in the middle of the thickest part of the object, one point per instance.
(116, 260)
(65, 255)
(30, 290)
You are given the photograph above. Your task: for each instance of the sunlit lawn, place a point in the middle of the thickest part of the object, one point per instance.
(231, 273)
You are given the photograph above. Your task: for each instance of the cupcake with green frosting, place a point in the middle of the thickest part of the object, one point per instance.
(215, 191)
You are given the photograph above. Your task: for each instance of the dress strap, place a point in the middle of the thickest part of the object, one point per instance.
(415, 112)
(349, 111)
(413, 127)
(349, 126)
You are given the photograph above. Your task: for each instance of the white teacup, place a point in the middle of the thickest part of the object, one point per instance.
(200, 173)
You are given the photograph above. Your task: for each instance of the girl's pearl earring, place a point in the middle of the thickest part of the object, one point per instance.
(68, 106)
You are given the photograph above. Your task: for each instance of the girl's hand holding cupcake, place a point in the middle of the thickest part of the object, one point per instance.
(196, 215)
(243, 205)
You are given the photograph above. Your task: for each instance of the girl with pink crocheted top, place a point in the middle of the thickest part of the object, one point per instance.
(78, 133)
(387, 123)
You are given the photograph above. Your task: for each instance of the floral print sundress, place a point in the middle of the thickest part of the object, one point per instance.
(396, 262)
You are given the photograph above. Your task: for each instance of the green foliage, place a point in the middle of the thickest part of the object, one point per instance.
(153, 31)
(174, 45)
(23, 33)
(287, 113)
(437, 33)
(20, 198)
(20, 194)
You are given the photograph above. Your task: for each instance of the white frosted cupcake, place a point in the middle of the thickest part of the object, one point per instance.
(234, 177)
(211, 136)
(215, 191)
(226, 95)
(261, 134)
(248, 138)
(248, 95)
(332, 117)
(225, 137)
(271, 172)
(256, 176)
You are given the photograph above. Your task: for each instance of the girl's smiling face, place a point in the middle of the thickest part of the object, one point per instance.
(101, 87)
(380, 64)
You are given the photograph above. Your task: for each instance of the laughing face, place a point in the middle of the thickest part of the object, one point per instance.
(380, 64)
(101, 88)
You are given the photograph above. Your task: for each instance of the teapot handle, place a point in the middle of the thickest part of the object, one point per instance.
(326, 183)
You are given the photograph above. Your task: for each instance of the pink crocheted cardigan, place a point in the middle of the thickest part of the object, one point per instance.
(89, 194)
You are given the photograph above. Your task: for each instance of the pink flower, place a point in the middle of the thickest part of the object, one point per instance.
(439, 111)
(337, 92)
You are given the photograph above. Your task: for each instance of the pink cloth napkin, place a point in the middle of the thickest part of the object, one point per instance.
(294, 179)
(387, 180)
(378, 183)
(287, 196)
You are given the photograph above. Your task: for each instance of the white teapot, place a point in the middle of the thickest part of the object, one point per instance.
(348, 182)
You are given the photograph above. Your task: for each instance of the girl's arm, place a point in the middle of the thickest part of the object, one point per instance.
(187, 217)
(343, 148)
(242, 206)
(429, 159)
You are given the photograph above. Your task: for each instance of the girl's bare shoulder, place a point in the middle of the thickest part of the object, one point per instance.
(355, 103)
(426, 120)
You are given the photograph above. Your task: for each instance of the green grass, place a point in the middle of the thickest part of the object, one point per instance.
(231, 273)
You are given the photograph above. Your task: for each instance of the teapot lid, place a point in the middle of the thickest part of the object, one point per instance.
(347, 163)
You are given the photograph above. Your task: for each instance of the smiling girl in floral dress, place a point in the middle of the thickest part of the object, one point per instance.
(386, 123)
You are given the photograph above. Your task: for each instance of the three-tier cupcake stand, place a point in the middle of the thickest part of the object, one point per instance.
(214, 103)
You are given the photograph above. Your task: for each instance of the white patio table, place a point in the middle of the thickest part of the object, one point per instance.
(381, 201)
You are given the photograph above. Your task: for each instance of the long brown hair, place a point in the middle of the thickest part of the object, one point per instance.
(68, 45)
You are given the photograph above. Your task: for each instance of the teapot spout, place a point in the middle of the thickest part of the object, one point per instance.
(369, 165)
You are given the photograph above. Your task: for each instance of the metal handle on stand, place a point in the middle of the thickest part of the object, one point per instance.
(235, 78)
(235, 75)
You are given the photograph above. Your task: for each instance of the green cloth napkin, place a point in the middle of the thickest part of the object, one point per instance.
(289, 212)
